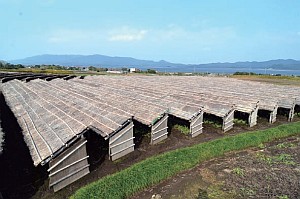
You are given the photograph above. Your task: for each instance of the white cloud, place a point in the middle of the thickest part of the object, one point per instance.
(127, 35)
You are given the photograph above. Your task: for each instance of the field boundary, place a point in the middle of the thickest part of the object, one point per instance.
(161, 167)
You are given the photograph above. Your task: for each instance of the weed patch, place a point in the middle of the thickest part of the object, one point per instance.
(239, 121)
(285, 145)
(183, 129)
(238, 171)
(212, 123)
(283, 158)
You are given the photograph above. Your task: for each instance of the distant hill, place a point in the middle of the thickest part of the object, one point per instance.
(117, 62)
(91, 60)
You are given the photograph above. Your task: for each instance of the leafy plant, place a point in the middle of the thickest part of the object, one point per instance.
(285, 159)
(281, 158)
(264, 158)
(213, 123)
(285, 145)
(283, 197)
(248, 192)
(261, 146)
(238, 171)
(239, 121)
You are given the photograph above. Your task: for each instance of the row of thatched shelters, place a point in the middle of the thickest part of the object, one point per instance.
(55, 115)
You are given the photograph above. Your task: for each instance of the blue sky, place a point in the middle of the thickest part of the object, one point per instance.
(191, 31)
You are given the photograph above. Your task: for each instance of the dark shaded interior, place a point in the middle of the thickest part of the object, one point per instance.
(97, 148)
(140, 132)
(297, 110)
(173, 120)
(264, 114)
(19, 178)
(283, 111)
(212, 120)
(241, 116)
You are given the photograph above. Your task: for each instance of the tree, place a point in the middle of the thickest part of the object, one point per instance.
(151, 71)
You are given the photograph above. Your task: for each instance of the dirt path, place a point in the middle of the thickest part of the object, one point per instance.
(270, 171)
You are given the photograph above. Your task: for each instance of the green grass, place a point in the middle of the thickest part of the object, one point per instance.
(161, 167)
(183, 129)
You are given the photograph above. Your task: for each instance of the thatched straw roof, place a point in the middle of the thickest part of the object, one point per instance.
(52, 114)
(50, 119)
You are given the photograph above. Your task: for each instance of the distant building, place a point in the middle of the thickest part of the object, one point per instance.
(134, 70)
(84, 69)
(115, 71)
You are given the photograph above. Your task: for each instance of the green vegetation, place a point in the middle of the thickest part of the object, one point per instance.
(257, 74)
(238, 171)
(285, 145)
(216, 191)
(156, 169)
(264, 158)
(151, 71)
(261, 146)
(244, 73)
(213, 123)
(239, 121)
(283, 158)
(246, 192)
(265, 76)
(4, 65)
(297, 114)
(183, 129)
(283, 197)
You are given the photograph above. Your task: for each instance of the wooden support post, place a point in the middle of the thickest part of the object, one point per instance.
(196, 125)
(291, 113)
(159, 131)
(273, 115)
(228, 121)
(252, 120)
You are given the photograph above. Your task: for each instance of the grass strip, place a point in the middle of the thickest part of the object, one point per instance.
(158, 168)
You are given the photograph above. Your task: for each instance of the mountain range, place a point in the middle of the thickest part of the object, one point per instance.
(117, 62)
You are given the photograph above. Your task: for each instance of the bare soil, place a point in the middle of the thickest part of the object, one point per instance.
(270, 171)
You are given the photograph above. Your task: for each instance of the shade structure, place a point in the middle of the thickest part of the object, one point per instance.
(54, 114)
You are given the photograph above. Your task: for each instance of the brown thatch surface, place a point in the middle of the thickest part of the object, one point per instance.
(177, 103)
(244, 94)
(53, 113)
(51, 118)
